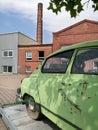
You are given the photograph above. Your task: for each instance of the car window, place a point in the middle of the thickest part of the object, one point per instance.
(57, 63)
(86, 62)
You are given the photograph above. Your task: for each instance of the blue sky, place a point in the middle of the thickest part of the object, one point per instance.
(21, 16)
(16, 23)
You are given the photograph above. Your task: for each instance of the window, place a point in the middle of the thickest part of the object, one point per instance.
(28, 55)
(10, 53)
(95, 64)
(86, 61)
(7, 53)
(7, 69)
(41, 55)
(57, 63)
(28, 68)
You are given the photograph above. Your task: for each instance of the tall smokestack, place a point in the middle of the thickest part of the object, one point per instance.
(39, 36)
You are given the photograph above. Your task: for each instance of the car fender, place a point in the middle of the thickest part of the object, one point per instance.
(29, 86)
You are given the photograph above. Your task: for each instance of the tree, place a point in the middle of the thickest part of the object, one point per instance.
(73, 6)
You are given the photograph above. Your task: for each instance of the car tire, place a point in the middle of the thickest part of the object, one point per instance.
(33, 109)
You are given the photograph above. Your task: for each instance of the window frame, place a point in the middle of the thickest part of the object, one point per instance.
(7, 69)
(7, 53)
(54, 56)
(41, 58)
(28, 58)
(27, 71)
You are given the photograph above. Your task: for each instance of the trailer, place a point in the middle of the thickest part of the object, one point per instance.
(16, 118)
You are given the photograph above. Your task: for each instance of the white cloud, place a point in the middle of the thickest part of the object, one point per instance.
(52, 22)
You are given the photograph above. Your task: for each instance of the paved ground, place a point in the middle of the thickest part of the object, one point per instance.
(8, 86)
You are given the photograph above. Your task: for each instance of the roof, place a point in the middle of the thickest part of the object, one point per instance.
(25, 40)
(22, 39)
(74, 25)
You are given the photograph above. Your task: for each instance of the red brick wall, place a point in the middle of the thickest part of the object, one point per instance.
(83, 31)
(22, 63)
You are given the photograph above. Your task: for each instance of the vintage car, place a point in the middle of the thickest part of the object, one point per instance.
(64, 88)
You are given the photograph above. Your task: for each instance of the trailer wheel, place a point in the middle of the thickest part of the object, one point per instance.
(33, 109)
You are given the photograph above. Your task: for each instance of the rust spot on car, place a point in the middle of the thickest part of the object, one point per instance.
(74, 105)
(84, 88)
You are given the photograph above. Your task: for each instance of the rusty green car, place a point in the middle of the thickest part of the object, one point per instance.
(64, 88)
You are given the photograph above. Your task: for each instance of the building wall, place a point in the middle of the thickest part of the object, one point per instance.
(9, 42)
(85, 30)
(22, 62)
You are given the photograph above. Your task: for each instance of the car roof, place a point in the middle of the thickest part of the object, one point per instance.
(78, 45)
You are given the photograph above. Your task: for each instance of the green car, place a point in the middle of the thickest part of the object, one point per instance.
(65, 88)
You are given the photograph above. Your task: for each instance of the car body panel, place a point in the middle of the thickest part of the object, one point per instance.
(69, 99)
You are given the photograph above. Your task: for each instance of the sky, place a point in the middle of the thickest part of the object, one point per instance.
(21, 16)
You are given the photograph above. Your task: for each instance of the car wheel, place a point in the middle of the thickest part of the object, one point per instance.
(33, 109)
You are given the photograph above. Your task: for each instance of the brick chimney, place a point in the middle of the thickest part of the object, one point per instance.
(39, 36)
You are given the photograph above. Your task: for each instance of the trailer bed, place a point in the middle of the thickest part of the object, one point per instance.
(17, 118)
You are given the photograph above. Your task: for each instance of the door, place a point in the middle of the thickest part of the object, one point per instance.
(83, 91)
(53, 88)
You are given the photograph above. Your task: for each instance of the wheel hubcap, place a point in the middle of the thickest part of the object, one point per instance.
(31, 107)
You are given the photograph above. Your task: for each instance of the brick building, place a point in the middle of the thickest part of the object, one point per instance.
(21, 54)
(30, 56)
(85, 30)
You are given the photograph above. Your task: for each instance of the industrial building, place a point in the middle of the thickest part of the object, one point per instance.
(85, 30)
(22, 54)
(82, 31)
(9, 50)
(29, 57)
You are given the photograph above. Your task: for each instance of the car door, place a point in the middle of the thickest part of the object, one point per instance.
(53, 86)
(83, 91)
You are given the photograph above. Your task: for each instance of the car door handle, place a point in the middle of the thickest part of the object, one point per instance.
(66, 83)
